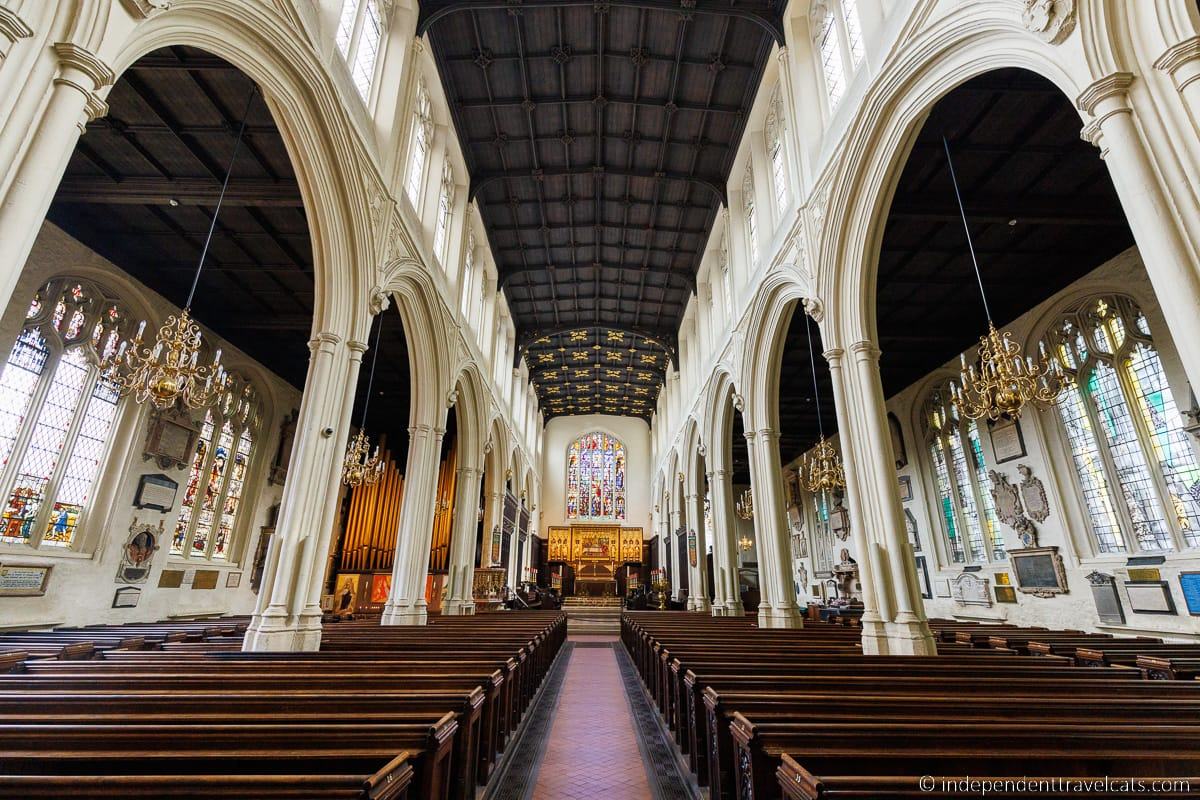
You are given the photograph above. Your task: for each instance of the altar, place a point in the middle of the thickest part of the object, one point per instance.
(595, 560)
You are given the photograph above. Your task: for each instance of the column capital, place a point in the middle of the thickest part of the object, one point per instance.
(12, 28)
(73, 57)
(469, 473)
(834, 356)
(767, 434)
(325, 341)
(865, 350)
(356, 347)
(1177, 55)
(420, 429)
(1114, 86)
(750, 436)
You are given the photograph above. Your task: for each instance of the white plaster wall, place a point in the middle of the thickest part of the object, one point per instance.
(559, 434)
(82, 584)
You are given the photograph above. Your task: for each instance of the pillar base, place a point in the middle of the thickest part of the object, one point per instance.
(276, 633)
(459, 608)
(911, 638)
(405, 614)
(702, 606)
(734, 608)
(874, 635)
(780, 617)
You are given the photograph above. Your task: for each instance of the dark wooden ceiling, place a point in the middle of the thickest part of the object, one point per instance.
(599, 137)
(141, 187)
(1042, 210)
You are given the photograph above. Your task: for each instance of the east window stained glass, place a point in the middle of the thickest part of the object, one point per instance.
(596, 478)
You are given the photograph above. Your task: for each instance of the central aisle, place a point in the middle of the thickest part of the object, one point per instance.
(592, 752)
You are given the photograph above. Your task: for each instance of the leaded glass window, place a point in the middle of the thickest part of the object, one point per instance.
(750, 214)
(596, 478)
(422, 135)
(359, 34)
(212, 496)
(825, 34)
(56, 412)
(854, 39)
(468, 281)
(775, 151)
(960, 476)
(726, 279)
(1135, 466)
(441, 231)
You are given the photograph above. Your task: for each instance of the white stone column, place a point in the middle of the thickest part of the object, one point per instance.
(316, 455)
(908, 630)
(725, 574)
(672, 545)
(407, 605)
(460, 599)
(698, 594)
(1175, 277)
(74, 101)
(875, 610)
(315, 555)
(778, 608)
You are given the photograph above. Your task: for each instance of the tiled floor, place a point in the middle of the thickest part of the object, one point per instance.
(592, 753)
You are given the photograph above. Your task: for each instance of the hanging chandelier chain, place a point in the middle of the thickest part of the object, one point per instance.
(212, 225)
(812, 360)
(970, 244)
(371, 375)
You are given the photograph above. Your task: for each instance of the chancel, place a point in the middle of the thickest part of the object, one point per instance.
(462, 399)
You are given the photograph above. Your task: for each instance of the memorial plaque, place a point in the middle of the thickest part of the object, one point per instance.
(23, 580)
(1145, 574)
(156, 492)
(1150, 598)
(1039, 571)
(170, 579)
(127, 597)
(205, 579)
(1005, 594)
(1106, 598)
(1189, 582)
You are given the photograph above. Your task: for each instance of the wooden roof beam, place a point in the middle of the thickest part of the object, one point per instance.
(184, 191)
(506, 275)
(713, 183)
(764, 15)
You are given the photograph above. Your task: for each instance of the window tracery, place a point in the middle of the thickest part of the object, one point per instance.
(359, 34)
(441, 231)
(420, 138)
(596, 477)
(750, 213)
(1135, 467)
(56, 412)
(775, 151)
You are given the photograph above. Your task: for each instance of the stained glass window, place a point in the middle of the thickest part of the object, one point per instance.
(1136, 468)
(56, 413)
(212, 497)
(966, 507)
(596, 478)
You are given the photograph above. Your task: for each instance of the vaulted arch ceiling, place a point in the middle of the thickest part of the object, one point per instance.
(599, 136)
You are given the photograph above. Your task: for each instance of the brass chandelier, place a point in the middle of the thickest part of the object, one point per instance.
(360, 466)
(745, 504)
(820, 469)
(168, 372)
(745, 542)
(1001, 382)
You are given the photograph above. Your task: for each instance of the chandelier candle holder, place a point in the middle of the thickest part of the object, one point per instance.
(745, 504)
(359, 468)
(745, 542)
(821, 469)
(1000, 383)
(169, 372)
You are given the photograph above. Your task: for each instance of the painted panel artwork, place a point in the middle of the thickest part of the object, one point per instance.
(596, 478)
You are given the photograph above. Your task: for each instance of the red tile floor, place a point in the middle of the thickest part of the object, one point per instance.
(592, 753)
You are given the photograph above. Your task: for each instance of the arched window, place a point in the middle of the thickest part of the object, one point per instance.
(419, 140)
(359, 33)
(726, 279)
(468, 281)
(441, 230)
(56, 412)
(775, 151)
(212, 498)
(1135, 466)
(825, 35)
(596, 478)
(750, 215)
(854, 40)
(968, 512)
